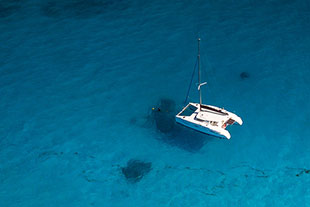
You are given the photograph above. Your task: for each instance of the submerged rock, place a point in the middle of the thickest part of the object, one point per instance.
(135, 170)
(244, 75)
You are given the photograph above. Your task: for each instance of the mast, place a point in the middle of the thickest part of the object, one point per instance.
(199, 81)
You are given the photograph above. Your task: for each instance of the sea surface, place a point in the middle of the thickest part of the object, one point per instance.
(79, 79)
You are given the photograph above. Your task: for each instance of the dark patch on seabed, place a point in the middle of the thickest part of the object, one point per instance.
(8, 8)
(303, 171)
(136, 170)
(172, 133)
(244, 75)
(80, 8)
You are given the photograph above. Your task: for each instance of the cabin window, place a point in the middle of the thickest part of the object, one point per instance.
(189, 110)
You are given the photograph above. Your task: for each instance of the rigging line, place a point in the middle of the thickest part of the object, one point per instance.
(191, 82)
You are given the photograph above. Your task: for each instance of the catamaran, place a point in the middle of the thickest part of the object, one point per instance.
(207, 119)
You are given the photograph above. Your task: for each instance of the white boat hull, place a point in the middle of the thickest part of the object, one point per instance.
(207, 119)
(199, 128)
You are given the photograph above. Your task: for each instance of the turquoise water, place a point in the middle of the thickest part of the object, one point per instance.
(79, 79)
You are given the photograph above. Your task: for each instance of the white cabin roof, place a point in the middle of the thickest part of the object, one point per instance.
(207, 116)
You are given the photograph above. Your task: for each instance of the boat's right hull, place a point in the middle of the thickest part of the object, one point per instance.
(199, 128)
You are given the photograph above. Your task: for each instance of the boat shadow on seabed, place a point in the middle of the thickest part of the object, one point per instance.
(163, 117)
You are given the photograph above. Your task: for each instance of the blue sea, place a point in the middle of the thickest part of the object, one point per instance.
(79, 79)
